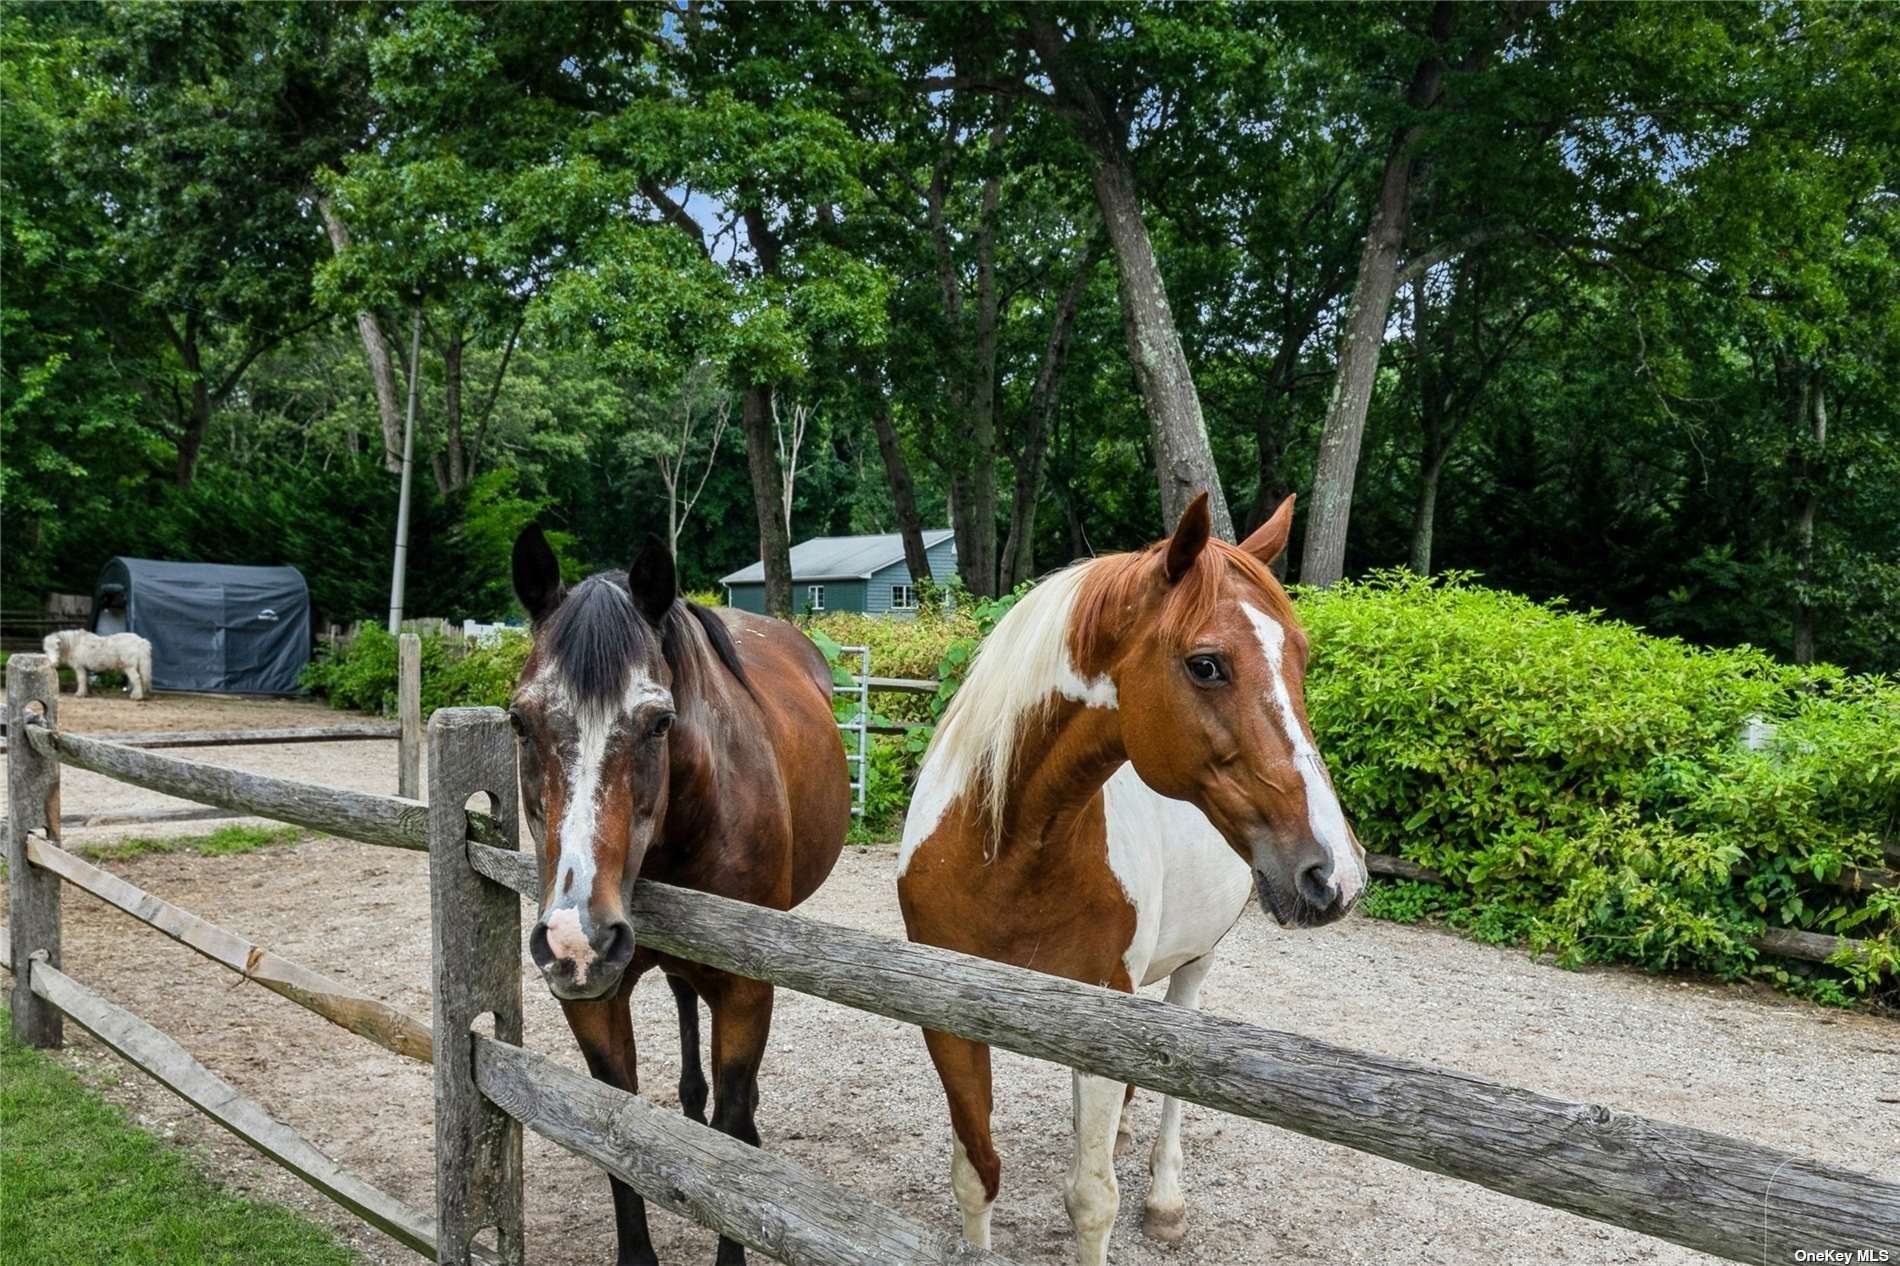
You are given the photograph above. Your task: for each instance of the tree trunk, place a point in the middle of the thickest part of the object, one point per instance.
(910, 525)
(1323, 561)
(1426, 512)
(382, 372)
(1019, 555)
(971, 386)
(1813, 402)
(672, 515)
(196, 422)
(1184, 461)
(761, 450)
(451, 464)
(1272, 431)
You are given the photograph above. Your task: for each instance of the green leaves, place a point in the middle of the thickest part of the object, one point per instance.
(1587, 784)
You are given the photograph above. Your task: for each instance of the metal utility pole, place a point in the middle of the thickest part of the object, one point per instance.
(408, 452)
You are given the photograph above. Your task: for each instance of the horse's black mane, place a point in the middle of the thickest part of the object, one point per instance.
(597, 633)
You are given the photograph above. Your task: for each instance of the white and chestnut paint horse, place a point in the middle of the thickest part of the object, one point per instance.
(87, 653)
(659, 739)
(1128, 760)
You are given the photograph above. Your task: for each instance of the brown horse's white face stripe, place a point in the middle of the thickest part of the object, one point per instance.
(593, 709)
(594, 819)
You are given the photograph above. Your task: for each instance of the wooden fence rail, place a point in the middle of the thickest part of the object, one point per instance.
(381, 1023)
(152, 1052)
(1721, 1195)
(391, 821)
(750, 1195)
(353, 732)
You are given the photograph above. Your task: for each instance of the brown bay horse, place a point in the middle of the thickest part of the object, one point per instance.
(664, 741)
(1127, 763)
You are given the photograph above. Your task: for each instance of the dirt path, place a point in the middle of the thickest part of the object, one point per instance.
(853, 1095)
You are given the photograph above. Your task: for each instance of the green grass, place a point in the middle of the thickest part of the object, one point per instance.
(78, 1183)
(226, 841)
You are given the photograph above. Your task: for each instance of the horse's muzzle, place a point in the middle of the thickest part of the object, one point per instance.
(1312, 898)
(580, 959)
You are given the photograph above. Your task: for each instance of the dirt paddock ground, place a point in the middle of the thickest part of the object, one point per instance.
(853, 1096)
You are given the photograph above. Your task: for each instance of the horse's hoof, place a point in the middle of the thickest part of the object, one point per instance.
(1124, 1142)
(1166, 1225)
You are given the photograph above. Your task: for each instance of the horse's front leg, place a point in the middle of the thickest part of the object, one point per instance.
(693, 1087)
(605, 1033)
(1165, 1215)
(1091, 1194)
(80, 682)
(741, 1022)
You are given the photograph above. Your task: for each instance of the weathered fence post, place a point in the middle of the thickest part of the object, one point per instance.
(409, 709)
(477, 968)
(32, 805)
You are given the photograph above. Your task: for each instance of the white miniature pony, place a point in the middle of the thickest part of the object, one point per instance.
(87, 653)
(1127, 760)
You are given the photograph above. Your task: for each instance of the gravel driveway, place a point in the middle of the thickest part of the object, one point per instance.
(854, 1096)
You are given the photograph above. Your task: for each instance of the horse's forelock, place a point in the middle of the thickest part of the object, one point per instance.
(594, 639)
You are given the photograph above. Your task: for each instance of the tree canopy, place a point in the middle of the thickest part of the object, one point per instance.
(1600, 302)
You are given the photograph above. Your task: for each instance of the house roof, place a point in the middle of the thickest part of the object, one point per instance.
(839, 557)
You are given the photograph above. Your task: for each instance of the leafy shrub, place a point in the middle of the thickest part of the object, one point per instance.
(361, 674)
(899, 648)
(1585, 786)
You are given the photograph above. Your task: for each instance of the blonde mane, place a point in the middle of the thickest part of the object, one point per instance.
(1018, 672)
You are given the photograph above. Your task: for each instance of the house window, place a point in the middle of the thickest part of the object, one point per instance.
(814, 597)
(903, 598)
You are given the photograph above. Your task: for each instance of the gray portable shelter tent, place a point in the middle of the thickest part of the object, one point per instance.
(212, 626)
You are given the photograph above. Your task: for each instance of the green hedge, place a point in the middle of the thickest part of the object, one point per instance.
(1586, 785)
(361, 674)
(1583, 785)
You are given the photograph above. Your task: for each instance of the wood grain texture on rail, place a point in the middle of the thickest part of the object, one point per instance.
(475, 972)
(389, 1028)
(363, 730)
(390, 821)
(152, 1052)
(1706, 1191)
(32, 805)
(743, 1192)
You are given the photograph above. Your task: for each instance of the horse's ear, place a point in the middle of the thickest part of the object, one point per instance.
(653, 581)
(1189, 539)
(1268, 541)
(537, 573)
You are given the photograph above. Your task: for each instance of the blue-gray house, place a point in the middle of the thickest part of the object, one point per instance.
(848, 573)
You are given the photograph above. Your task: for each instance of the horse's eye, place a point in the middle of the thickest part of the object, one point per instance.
(515, 722)
(661, 726)
(1206, 670)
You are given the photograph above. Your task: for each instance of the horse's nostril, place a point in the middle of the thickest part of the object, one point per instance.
(618, 951)
(1315, 882)
(538, 948)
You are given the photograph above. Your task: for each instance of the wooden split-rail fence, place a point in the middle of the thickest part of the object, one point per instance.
(1724, 1196)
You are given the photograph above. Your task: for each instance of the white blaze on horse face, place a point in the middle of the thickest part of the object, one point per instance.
(580, 817)
(1324, 817)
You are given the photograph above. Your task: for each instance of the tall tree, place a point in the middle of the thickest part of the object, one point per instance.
(184, 148)
(1362, 337)
(1102, 113)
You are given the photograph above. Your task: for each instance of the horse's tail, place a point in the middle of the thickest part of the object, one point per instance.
(143, 686)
